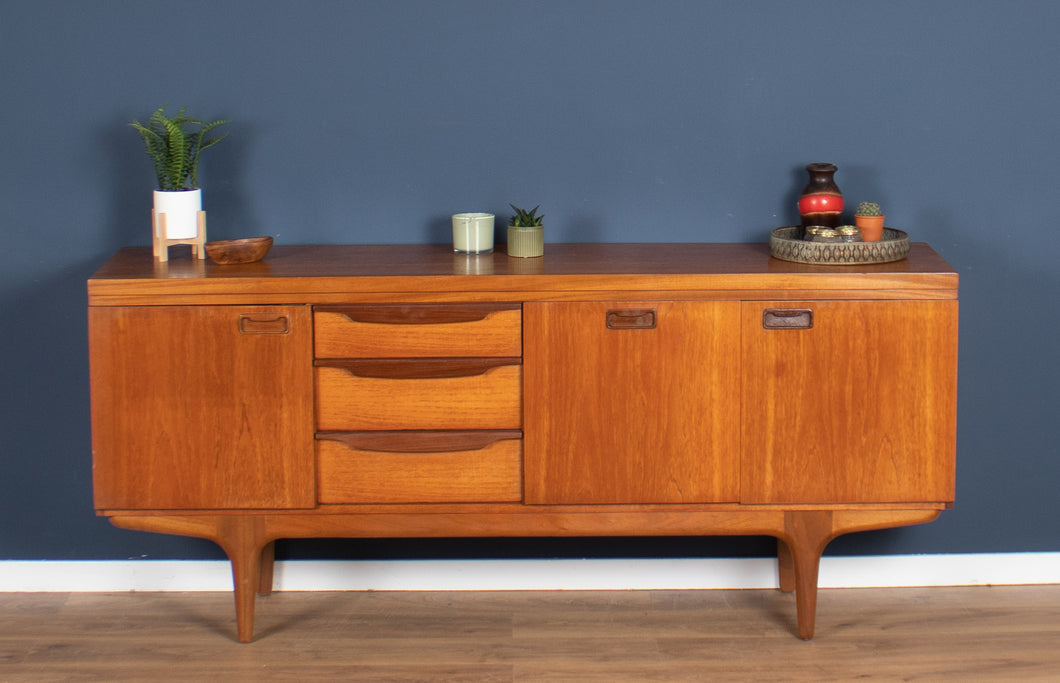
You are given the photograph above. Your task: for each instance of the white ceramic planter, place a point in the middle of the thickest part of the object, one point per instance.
(181, 209)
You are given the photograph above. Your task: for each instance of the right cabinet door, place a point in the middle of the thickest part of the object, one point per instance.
(848, 401)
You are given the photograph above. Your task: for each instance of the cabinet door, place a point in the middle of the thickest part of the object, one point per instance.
(631, 402)
(202, 407)
(849, 402)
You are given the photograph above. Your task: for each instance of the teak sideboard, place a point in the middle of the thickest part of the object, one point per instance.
(601, 390)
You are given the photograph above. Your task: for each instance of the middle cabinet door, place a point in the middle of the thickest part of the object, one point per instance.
(631, 402)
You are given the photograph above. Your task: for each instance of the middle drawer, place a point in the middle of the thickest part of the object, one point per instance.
(429, 394)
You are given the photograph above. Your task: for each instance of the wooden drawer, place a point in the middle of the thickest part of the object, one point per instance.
(417, 330)
(432, 467)
(463, 393)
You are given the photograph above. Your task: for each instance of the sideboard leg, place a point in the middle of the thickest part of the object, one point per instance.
(268, 560)
(807, 564)
(807, 532)
(785, 567)
(243, 542)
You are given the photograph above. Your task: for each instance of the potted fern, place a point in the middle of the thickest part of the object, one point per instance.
(526, 233)
(174, 145)
(869, 219)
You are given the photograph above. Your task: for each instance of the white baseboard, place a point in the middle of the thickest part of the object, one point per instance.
(466, 575)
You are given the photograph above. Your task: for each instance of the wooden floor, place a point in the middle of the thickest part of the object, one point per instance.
(930, 634)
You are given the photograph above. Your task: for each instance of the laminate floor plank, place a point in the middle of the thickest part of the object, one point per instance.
(908, 634)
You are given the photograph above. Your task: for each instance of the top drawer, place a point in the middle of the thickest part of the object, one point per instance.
(417, 330)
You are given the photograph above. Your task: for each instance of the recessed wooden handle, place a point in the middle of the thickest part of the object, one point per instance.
(417, 368)
(251, 325)
(416, 314)
(631, 319)
(420, 442)
(787, 318)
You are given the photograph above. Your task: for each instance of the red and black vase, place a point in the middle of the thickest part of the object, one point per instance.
(821, 202)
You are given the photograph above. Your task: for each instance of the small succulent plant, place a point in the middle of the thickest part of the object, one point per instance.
(526, 219)
(868, 209)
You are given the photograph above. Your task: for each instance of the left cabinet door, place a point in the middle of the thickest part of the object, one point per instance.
(202, 407)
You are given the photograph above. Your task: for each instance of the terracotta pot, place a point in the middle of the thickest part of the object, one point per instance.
(871, 227)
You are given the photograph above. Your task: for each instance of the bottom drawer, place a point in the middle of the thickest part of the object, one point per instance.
(419, 467)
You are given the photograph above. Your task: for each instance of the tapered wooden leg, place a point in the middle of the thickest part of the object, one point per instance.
(243, 542)
(268, 558)
(807, 564)
(785, 567)
(806, 534)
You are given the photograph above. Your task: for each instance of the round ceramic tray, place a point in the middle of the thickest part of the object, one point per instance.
(785, 244)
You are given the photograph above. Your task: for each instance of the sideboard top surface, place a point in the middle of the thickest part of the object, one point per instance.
(322, 273)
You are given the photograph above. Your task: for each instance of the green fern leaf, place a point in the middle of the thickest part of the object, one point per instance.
(177, 160)
(200, 145)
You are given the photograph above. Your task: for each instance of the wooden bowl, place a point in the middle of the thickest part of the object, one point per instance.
(246, 250)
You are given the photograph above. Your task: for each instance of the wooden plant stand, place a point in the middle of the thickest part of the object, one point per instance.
(161, 243)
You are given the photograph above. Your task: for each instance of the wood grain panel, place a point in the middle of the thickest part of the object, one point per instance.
(490, 400)
(632, 415)
(189, 412)
(418, 330)
(860, 408)
(492, 473)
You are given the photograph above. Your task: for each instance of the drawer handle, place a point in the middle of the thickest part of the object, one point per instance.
(420, 442)
(641, 319)
(250, 325)
(787, 318)
(417, 314)
(418, 368)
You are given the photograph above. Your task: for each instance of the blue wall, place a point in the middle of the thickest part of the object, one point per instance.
(371, 121)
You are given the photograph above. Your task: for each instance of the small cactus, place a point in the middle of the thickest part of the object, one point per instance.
(868, 209)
